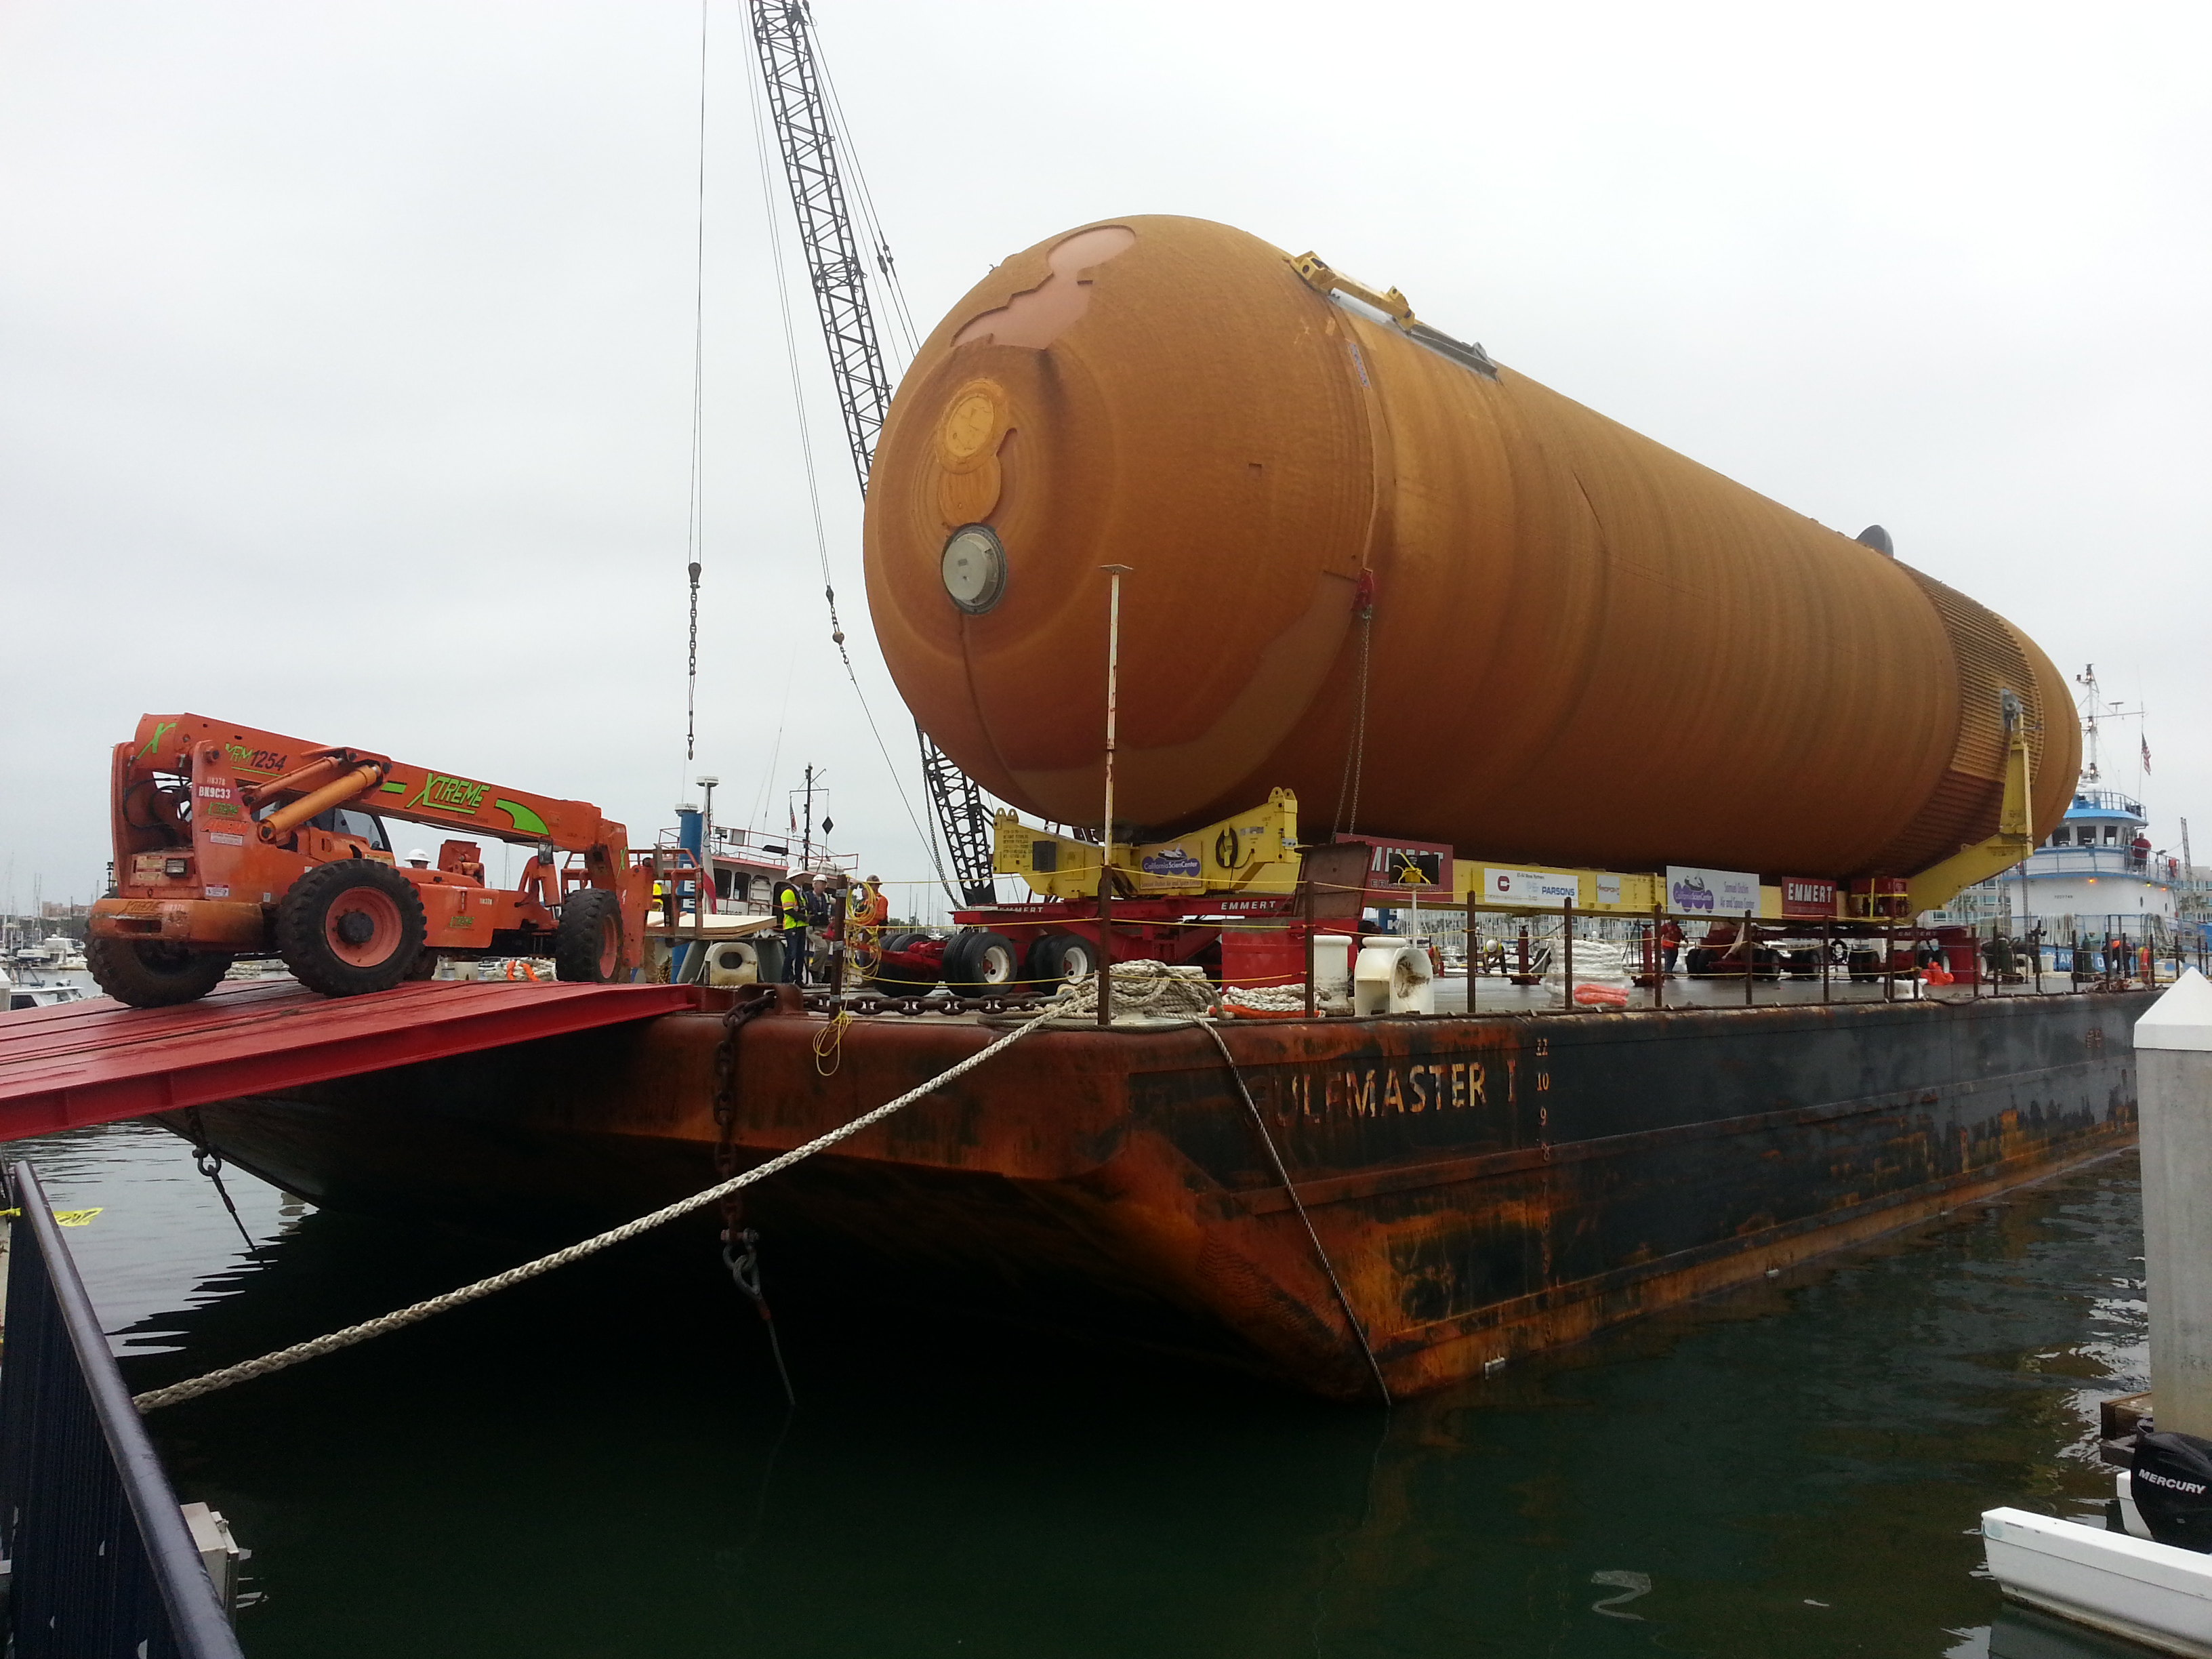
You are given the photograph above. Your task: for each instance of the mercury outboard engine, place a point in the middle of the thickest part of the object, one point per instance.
(2171, 1484)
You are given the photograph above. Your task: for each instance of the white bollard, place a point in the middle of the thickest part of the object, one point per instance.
(2173, 1047)
(1392, 976)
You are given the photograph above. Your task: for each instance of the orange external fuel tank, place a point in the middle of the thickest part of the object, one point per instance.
(1583, 647)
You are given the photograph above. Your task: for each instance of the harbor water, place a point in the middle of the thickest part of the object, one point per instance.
(601, 1462)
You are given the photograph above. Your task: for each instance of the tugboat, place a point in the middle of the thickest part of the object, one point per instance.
(2096, 887)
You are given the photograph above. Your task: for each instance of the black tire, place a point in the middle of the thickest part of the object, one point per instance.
(1059, 959)
(980, 962)
(587, 944)
(350, 927)
(148, 974)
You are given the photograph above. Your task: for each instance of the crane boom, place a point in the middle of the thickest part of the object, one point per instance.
(783, 33)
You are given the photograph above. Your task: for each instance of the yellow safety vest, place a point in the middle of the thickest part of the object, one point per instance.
(791, 910)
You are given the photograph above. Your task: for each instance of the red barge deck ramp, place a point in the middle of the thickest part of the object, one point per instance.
(95, 1062)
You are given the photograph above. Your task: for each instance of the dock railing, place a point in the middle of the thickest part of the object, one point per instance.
(102, 1564)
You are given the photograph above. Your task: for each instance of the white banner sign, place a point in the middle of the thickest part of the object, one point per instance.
(1711, 892)
(1528, 887)
(1608, 890)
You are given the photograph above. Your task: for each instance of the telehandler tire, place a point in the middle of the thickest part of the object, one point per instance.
(587, 944)
(350, 927)
(150, 975)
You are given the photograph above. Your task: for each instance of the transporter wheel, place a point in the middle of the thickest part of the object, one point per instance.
(350, 927)
(587, 944)
(979, 961)
(1059, 959)
(150, 975)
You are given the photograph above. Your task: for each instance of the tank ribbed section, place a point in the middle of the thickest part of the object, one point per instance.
(1967, 801)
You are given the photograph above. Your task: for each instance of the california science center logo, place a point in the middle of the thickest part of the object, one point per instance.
(1691, 893)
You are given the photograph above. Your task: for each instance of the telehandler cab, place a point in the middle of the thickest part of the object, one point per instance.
(231, 842)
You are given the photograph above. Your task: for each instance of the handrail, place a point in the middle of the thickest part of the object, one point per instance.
(102, 1561)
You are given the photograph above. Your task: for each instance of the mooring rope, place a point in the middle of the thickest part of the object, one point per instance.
(1148, 985)
(177, 1392)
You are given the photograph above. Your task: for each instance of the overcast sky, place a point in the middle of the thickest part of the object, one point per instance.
(345, 351)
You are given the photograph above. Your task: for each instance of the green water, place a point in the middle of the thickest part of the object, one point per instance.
(600, 1463)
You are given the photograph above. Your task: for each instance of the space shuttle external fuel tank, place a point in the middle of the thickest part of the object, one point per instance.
(1545, 636)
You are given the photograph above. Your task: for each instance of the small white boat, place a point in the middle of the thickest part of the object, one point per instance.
(38, 992)
(2146, 1591)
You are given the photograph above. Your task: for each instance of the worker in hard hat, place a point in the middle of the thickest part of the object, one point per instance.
(418, 859)
(820, 908)
(791, 923)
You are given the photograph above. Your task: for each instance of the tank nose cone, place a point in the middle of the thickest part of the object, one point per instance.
(1116, 396)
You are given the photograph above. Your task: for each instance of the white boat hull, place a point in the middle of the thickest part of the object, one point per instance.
(2148, 1592)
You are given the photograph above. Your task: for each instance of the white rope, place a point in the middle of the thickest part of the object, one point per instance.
(247, 1369)
(1283, 1000)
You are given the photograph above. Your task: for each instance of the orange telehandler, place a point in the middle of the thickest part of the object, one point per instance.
(231, 842)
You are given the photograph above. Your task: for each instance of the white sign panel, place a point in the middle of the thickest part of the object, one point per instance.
(1608, 890)
(1528, 887)
(1711, 892)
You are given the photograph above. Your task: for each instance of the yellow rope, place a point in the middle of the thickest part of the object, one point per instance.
(829, 1043)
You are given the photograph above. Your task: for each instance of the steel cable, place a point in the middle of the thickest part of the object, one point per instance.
(694, 527)
(813, 483)
(1283, 1175)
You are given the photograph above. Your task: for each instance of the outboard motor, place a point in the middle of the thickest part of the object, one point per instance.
(2172, 1483)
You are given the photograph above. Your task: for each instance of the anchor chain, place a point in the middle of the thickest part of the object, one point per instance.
(741, 1243)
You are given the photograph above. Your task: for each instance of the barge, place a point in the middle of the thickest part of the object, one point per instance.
(1481, 1186)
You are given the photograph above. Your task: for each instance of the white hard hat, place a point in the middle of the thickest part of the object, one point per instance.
(418, 856)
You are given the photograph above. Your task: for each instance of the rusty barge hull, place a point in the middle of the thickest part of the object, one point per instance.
(1484, 1187)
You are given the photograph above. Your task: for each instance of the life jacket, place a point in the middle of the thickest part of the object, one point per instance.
(790, 907)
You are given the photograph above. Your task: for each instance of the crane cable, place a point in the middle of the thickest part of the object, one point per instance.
(881, 246)
(813, 480)
(695, 526)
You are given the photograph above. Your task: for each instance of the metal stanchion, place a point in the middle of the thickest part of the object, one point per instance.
(1474, 949)
(1114, 575)
(1827, 955)
(1105, 945)
(1659, 946)
(1311, 957)
(1567, 954)
(1750, 958)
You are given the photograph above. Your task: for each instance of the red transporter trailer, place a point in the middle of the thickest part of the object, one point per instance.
(1227, 898)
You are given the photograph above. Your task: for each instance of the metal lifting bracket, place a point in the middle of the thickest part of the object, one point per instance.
(1323, 278)
(1933, 887)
